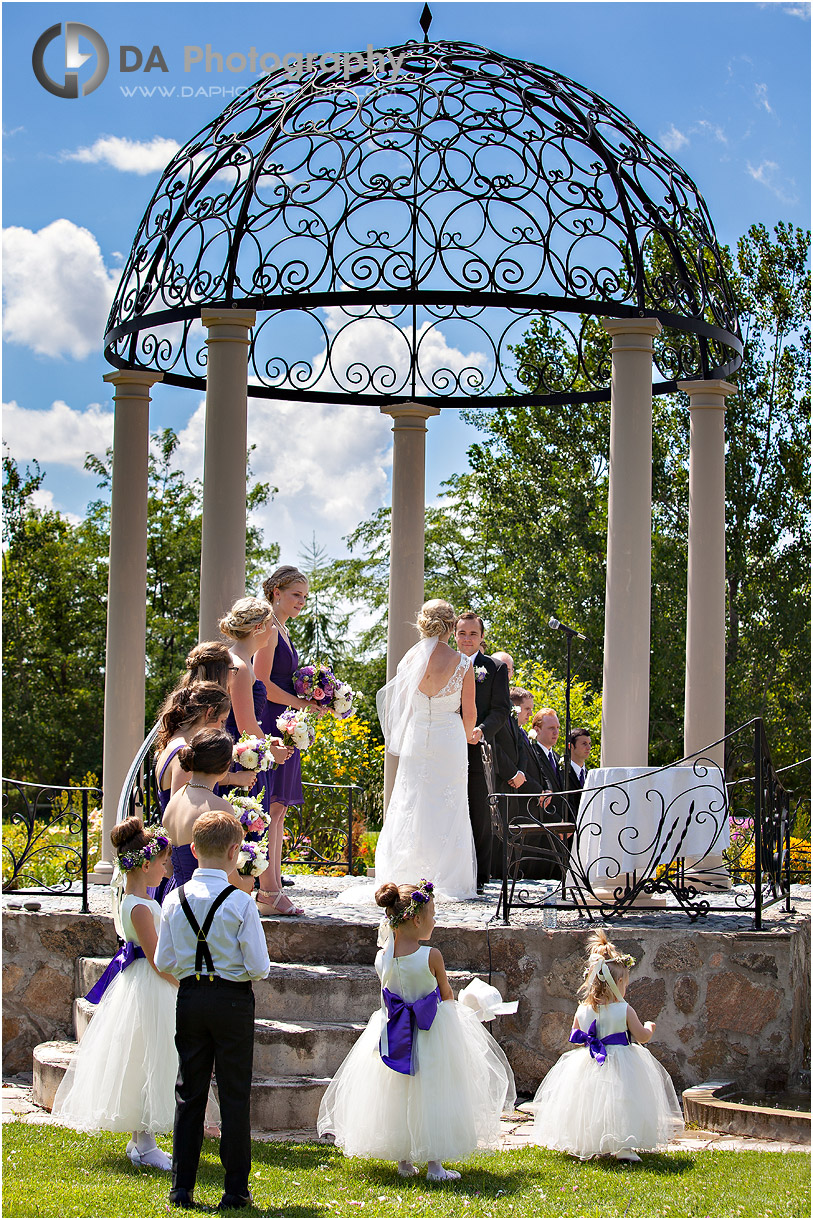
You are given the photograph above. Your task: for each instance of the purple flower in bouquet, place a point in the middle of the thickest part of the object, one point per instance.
(252, 858)
(249, 811)
(296, 729)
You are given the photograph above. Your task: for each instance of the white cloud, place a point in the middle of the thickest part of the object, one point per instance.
(768, 175)
(798, 10)
(44, 500)
(707, 128)
(59, 434)
(673, 140)
(131, 156)
(329, 462)
(57, 289)
(761, 92)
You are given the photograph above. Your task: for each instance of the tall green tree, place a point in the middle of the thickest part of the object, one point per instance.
(54, 608)
(54, 594)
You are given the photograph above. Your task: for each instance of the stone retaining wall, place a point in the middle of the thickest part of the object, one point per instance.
(728, 1005)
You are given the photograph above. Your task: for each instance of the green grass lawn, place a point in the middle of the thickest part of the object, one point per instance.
(50, 1171)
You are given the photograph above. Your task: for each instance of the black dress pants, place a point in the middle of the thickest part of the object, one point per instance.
(214, 1028)
(479, 815)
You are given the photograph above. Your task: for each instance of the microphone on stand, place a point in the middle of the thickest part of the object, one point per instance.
(557, 626)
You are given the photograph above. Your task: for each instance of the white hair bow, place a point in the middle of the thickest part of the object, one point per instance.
(600, 967)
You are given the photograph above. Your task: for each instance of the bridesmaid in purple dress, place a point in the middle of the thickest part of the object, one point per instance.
(248, 625)
(286, 592)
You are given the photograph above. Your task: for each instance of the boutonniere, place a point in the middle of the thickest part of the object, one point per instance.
(532, 734)
(515, 711)
(480, 672)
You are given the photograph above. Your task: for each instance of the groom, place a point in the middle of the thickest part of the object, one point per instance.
(491, 693)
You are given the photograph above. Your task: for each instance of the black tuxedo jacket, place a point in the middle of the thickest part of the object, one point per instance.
(573, 798)
(512, 753)
(493, 700)
(551, 779)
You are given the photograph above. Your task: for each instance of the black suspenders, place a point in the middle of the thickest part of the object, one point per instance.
(203, 954)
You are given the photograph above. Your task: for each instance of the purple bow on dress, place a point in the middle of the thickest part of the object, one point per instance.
(596, 1045)
(402, 1017)
(128, 953)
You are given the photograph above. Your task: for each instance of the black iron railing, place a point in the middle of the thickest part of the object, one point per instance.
(45, 838)
(681, 832)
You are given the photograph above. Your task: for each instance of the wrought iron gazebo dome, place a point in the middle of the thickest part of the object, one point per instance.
(397, 235)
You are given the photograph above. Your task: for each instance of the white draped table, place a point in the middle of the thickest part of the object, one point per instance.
(633, 819)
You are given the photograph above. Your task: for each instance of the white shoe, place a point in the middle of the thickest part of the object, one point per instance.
(154, 1158)
(627, 1154)
(444, 1175)
(407, 1170)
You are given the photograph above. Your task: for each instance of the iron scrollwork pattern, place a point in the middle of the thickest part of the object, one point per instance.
(399, 233)
(45, 839)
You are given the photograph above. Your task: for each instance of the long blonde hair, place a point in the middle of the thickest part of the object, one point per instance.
(594, 990)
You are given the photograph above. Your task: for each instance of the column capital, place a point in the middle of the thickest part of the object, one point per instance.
(409, 414)
(133, 377)
(710, 394)
(631, 326)
(243, 318)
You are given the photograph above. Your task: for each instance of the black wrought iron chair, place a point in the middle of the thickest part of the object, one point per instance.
(518, 823)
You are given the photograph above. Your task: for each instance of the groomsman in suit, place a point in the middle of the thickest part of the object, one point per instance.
(514, 760)
(493, 709)
(546, 727)
(580, 747)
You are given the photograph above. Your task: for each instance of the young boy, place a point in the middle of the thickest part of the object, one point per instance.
(215, 1009)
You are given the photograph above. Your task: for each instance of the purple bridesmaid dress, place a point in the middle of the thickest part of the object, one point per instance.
(283, 786)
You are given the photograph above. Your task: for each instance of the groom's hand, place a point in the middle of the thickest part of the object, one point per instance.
(476, 735)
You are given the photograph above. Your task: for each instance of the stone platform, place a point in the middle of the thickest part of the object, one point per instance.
(729, 1002)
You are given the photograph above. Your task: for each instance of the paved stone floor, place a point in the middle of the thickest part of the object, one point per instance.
(321, 898)
(17, 1105)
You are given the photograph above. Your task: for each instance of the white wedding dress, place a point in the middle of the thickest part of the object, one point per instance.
(427, 832)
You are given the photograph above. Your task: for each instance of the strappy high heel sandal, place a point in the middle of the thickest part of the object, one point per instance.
(272, 907)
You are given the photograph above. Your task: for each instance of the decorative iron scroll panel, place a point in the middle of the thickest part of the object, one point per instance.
(398, 236)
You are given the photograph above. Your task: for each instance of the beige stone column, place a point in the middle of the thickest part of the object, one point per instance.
(625, 693)
(406, 539)
(126, 595)
(223, 534)
(704, 713)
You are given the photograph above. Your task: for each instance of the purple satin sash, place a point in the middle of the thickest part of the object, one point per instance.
(128, 953)
(402, 1018)
(596, 1045)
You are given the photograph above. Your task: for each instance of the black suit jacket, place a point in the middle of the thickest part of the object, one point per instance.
(573, 798)
(493, 700)
(512, 753)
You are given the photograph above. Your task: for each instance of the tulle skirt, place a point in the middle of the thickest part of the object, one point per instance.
(591, 1109)
(122, 1076)
(447, 1110)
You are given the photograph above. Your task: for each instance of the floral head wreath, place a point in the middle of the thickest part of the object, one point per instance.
(599, 967)
(157, 843)
(419, 898)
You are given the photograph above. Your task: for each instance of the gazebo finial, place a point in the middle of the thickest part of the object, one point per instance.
(426, 21)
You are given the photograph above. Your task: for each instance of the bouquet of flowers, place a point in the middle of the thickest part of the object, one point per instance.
(249, 810)
(296, 729)
(318, 682)
(253, 753)
(252, 858)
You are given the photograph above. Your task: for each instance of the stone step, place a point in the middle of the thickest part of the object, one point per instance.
(278, 1103)
(281, 1047)
(302, 991)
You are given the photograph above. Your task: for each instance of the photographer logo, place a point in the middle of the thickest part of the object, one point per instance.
(74, 59)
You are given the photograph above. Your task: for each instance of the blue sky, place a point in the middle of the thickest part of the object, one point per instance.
(724, 87)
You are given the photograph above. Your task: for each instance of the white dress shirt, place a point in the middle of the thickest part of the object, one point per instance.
(578, 772)
(236, 939)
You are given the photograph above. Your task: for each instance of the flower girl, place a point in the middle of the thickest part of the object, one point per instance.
(122, 1076)
(425, 1082)
(610, 1096)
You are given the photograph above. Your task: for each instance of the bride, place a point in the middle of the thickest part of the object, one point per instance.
(428, 713)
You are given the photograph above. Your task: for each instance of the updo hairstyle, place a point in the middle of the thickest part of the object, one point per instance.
(130, 836)
(600, 948)
(187, 704)
(246, 614)
(209, 752)
(436, 618)
(283, 578)
(209, 661)
(394, 898)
